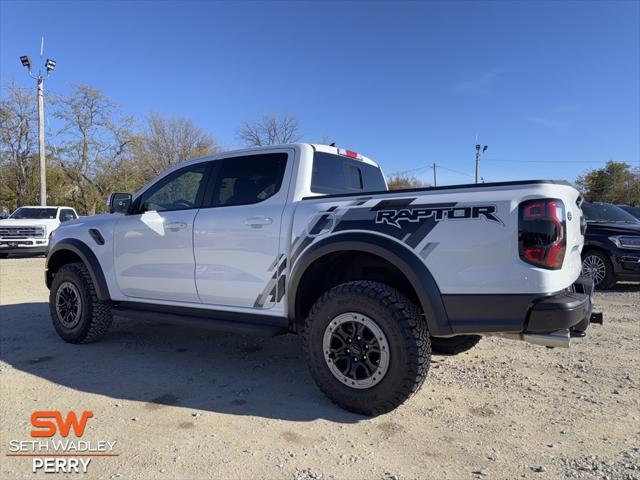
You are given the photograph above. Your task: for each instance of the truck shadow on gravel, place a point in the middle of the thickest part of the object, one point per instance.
(165, 365)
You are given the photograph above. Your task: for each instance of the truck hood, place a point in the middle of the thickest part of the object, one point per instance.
(614, 228)
(28, 222)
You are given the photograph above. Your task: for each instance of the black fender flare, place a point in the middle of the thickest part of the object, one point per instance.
(411, 266)
(89, 259)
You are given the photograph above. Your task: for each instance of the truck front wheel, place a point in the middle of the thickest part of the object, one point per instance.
(367, 346)
(78, 316)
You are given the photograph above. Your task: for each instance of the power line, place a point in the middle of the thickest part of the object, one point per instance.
(455, 171)
(415, 169)
(425, 168)
(541, 161)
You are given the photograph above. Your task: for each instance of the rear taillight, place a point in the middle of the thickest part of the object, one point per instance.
(542, 232)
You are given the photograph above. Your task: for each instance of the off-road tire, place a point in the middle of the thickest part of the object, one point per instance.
(454, 345)
(4, 255)
(406, 333)
(95, 317)
(609, 280)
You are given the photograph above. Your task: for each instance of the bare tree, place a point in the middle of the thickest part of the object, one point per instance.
(94, 139)
(402, 180)
(169, 141)
(270, 130)
(18, 143)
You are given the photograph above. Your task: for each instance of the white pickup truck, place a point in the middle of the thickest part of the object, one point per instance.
(27, 230)
(307, 239)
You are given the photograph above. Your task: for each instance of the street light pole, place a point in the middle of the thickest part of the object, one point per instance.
(484, 149)
(43, 161)
(435, 183)
(49, 65)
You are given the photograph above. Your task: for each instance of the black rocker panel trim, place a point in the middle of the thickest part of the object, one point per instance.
(244, 323)
(396, 253)
(88, 258)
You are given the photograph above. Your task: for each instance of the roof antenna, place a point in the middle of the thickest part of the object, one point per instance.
(333, 144)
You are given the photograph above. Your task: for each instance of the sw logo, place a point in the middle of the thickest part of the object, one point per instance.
(413, 215)
(52, 452)
(45, 427)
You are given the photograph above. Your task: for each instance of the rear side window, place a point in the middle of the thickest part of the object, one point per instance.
(247, 180)
(336, 174)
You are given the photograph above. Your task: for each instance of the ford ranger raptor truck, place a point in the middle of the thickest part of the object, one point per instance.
(27, 230)
(307, 239)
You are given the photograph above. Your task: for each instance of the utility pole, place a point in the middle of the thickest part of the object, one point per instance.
(41, 152)
(435, 183)
(50, 65)
(484, 149)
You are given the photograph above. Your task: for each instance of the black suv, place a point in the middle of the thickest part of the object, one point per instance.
(611, 246)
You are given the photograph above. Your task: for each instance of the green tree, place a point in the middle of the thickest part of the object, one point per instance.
(401, 181)
(616, 182)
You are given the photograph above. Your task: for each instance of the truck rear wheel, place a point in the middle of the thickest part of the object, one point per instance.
(454, 345)
(77, 315)
(367, 346)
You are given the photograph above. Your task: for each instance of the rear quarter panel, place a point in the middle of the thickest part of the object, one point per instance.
(465, 256)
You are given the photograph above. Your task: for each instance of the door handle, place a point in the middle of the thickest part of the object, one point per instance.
(257, 222)
(175, 226)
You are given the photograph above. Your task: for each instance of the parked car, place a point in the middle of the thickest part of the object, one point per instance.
(612, 245)
(27, 230)
(307, 239)
(632, 209)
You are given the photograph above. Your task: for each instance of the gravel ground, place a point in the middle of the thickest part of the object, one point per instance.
(183, 403)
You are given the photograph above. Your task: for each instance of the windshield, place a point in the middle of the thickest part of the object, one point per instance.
(34, 213)
(635, 211)
(604, 212)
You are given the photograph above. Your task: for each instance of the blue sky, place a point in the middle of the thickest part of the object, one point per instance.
(407, 84)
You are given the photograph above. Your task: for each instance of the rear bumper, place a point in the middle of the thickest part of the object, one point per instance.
(564, 311)
(516, 316)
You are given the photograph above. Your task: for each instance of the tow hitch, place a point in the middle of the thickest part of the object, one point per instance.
(596, 317)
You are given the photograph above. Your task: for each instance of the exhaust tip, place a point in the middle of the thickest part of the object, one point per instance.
(559, 339)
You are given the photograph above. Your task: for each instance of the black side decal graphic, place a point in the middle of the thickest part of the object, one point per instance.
(276, 285)
(302, 242)
(365, 219)
(418, 213)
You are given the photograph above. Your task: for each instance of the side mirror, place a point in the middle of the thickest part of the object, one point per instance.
(119, 202)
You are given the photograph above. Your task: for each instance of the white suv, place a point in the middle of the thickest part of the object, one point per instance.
(28, 229)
